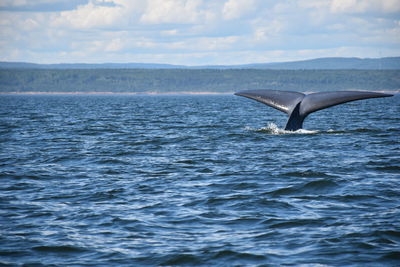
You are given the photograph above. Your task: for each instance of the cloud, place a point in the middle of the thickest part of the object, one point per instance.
(176, 12)
(100, 14)
(196, 31)
(365, 6)
(234, 9)
(89, 16)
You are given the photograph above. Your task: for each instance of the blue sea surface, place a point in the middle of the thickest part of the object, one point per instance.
(104, 180)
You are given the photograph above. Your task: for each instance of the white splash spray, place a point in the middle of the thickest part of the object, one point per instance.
(272, 128)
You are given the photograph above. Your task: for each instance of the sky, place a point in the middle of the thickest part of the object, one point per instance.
(196, 32)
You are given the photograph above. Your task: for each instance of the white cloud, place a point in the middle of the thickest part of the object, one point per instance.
(213, 43)
(114, 45)
(265, 31)
(363, 6)
(234, 9)
(172, 32)
(197, 31)
(390, 6)
(89, 16)
(314, 4)
(172, 11)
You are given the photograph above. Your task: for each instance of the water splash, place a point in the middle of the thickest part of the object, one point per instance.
(272, 128)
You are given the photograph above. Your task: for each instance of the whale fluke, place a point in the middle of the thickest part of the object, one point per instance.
(298, 105)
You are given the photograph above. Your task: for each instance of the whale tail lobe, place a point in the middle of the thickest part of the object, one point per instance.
(298, 105)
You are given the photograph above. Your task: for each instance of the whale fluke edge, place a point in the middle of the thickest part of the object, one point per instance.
(298, 105)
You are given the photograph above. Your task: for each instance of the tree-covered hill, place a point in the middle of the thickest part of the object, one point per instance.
(202, 80)
(329, 63)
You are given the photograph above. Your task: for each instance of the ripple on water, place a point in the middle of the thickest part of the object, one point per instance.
(178, 180)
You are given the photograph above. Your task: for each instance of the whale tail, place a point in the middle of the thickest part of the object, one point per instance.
(298, 105)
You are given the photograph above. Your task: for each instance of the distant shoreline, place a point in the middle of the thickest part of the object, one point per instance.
(177, 81)
(156, 93)
(322, 63)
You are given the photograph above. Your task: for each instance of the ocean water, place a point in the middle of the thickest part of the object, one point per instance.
(196, 181)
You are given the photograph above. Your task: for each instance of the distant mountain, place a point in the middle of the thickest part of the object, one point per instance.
(331, 63)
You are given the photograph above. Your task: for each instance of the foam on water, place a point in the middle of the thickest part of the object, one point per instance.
(272, 128)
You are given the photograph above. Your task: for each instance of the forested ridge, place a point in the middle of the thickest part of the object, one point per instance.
(328, 63)
(194, 80)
